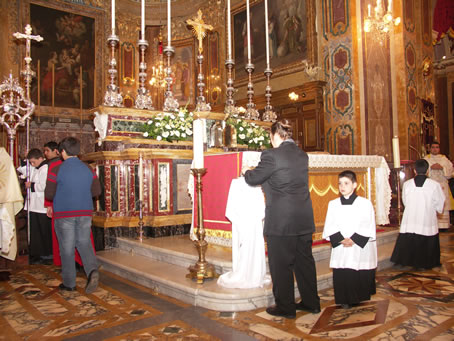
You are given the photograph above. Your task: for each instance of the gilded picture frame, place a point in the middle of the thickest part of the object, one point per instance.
(292, 37)
(43, 14)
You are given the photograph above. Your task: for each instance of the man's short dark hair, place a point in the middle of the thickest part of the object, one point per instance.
(348, 174)
(435, 142)
(70, 145)
(35, 153)
(52, 145)
(421, 166)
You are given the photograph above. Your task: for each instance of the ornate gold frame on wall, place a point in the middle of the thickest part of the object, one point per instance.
(98, 15)
(282, 70)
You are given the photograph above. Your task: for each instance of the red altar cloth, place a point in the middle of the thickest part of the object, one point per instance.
(221, 169)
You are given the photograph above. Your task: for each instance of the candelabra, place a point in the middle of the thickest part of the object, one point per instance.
(201, 105)
(113, 97)
(170, 102)
(381, 23)
(399, 205)
(143, 99)
(200, 270)
(269, 115)
(251, 112)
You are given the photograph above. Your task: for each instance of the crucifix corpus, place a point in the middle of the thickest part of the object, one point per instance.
(199, 28)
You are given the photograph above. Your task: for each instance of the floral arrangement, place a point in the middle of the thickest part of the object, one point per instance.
(169, 126)
(178, 127)
(249, 133)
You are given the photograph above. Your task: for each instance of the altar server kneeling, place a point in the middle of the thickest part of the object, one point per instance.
(418, 243)
(350, 227)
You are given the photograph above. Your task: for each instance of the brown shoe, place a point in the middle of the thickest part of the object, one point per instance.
(92, 282)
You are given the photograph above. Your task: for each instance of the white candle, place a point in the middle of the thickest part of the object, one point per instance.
(229, 32)
(390, 5)
(169, 33)
(197, 143)
(142, 26)
(368, 10)
(113, 17)
(140, 178)
(267, 40)
(396, 153)
(248, 23)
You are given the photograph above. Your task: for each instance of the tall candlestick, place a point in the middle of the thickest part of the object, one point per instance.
(197, 143)
(142, 22)
(169, 31)
(229, 33)
(140, 177)
(396, 153)
(113, 17)
(267, 40)
(248, 23)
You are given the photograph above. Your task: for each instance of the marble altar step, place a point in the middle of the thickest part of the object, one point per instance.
(161, 264)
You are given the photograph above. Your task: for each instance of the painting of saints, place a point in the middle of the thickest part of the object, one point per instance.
(287, 35)
(67, 48)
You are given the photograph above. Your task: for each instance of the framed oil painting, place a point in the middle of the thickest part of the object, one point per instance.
(66, 58)
(290, 23)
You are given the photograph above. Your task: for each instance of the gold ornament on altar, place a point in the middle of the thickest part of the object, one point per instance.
(426, 67)
(199, 28)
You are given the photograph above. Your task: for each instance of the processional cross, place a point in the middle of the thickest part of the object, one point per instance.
(199, 28)
(28, 73)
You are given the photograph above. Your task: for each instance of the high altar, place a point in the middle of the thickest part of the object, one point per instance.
(167, 206)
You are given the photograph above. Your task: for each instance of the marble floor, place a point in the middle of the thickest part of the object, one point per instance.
(409, 305)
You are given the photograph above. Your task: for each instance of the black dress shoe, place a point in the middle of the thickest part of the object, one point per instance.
(276, 311)
(301, 306)
(65, 288)
(346, 306)
(92, 282)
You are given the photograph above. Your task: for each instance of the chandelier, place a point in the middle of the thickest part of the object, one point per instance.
(382, 22)
(158, 74)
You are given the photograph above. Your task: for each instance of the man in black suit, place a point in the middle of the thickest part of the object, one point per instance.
(289, 222)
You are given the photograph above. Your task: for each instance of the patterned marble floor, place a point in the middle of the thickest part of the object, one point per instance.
(409, 305)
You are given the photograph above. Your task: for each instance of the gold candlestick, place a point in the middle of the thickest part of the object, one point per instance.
(200, 270)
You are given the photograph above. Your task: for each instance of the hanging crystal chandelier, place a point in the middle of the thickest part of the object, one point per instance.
(382, 22)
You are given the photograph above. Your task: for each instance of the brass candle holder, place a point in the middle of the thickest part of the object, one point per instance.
(200, 270)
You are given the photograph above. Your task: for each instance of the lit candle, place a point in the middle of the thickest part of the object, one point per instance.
(140, 177)
(113, 17)
(197, 143)
(390, 5)
(368, 10)
(142, 26)
(169, 33)
(267, 40)
(396, 153)
(248, 23)
(229, 32)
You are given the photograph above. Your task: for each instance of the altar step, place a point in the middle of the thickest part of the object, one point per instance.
(162, 265)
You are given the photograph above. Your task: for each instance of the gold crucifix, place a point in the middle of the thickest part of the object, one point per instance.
(199, 28)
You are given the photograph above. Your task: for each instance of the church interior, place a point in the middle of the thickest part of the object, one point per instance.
(170, 99)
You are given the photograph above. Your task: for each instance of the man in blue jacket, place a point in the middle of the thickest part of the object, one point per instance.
(71, 186)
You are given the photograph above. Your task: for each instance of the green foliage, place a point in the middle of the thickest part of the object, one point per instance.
(250, 134)
(169, 127)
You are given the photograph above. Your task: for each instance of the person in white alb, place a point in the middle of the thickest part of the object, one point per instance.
(440, 170)
(418, 243)
(350, 227)
(246, 210)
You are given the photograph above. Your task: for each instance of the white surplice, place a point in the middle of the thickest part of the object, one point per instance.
(246, 210)
(441, 176)
(350, 219)
(421, 207)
